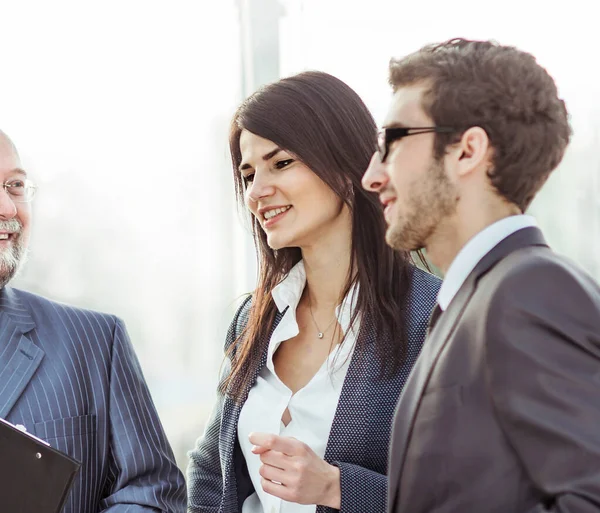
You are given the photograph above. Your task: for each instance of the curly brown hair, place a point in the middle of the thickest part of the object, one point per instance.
(502, 90)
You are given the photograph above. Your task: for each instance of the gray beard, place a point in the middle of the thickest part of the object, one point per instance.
(13, 257)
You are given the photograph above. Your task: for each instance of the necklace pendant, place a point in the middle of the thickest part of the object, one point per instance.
(320, 335)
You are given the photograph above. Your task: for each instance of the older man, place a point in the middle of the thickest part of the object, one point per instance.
(71, 377)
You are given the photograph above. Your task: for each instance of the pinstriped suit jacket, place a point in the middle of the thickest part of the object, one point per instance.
(218, 478)
(71, 377)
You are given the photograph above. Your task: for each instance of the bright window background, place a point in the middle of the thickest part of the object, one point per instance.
(120, 110)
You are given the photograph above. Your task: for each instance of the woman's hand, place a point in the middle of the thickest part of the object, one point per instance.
(292, 471)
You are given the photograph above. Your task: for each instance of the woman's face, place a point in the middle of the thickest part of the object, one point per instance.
(293, 205)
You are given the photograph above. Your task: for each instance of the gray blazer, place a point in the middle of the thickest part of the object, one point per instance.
(71, 377)
(218, 478)
(502, 411)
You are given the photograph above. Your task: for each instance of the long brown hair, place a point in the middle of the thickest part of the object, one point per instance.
(324, 123)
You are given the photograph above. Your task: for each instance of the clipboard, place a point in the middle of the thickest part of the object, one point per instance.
(34, 477)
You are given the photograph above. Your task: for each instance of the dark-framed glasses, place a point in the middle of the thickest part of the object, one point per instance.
(387, 136)
(21, 190)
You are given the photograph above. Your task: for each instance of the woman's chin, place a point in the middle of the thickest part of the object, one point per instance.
(276, 243)
(276, 246)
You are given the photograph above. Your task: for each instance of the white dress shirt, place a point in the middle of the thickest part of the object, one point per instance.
(474, 250)
(311, 408)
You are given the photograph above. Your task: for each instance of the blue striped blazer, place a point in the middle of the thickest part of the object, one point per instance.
(218, 480)
(71, 377)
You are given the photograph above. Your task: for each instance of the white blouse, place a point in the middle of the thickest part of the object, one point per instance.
(311, 408)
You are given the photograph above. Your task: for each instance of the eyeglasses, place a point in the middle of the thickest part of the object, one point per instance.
(20, 191)
(387, 136)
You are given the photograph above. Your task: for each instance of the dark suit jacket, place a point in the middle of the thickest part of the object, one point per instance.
(502, 411)
(218, 478)
(70, 376)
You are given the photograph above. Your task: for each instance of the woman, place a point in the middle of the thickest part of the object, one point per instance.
(318, 355)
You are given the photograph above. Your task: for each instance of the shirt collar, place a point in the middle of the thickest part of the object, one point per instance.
(474, 250)
(289, 290)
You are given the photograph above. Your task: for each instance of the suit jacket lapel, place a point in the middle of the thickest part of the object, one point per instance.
(352, 394)
(231, 415)
(416, 383)
(19, 356)
(433, 346)
(263, 360)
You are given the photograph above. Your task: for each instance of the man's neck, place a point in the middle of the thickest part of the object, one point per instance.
(447, 242)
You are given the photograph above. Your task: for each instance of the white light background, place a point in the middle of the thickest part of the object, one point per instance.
(120, 110)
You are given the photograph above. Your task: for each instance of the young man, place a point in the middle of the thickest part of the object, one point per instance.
(502, 410)
(71, 377)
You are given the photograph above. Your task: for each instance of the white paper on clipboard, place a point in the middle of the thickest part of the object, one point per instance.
(24, 431)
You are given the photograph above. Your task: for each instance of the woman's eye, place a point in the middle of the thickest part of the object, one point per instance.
(248, 178)
(283, 163)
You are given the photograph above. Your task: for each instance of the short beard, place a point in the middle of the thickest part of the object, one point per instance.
(431, 200)
(13, 257)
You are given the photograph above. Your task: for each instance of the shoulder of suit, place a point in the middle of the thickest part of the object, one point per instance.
(243, 312)
(36, 303)
(539, 265)
(240, 319)
(532, 258)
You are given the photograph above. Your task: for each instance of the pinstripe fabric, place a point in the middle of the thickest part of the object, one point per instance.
(71, 377)
(359, 437)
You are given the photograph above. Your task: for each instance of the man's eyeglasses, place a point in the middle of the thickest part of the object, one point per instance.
(20, 191)
(387, 136)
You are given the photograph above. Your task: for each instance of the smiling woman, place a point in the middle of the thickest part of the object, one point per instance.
(333, 327)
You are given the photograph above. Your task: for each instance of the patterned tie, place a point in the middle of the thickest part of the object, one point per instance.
(433, 318)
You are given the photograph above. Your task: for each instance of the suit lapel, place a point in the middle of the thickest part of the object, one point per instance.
(352, 393)
(231, 415)
(433, 346)
(19, 356)
(417, 381)
(263, 360)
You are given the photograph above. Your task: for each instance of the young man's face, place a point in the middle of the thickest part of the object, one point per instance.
(411, 183)
(15, 216)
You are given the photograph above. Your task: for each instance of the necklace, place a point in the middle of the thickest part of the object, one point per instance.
(319, 332)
